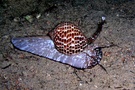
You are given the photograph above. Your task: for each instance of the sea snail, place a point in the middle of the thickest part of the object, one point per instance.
(65, 44)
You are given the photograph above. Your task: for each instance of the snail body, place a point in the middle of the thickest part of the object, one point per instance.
(66, 44)
(46, 48)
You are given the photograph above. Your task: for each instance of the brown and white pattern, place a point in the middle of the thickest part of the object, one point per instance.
(68, 38)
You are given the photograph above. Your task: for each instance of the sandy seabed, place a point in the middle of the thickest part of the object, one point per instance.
(20, 70)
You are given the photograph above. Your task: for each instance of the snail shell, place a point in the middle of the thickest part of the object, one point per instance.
(68, 38)
(66, 44)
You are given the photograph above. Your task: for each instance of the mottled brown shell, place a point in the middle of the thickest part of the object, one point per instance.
(68, 38)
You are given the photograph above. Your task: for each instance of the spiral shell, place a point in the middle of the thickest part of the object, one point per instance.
(68, 38)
